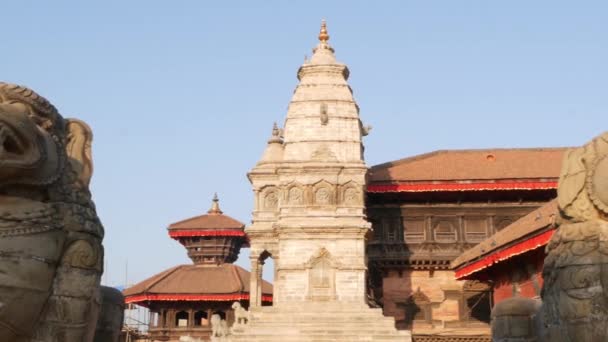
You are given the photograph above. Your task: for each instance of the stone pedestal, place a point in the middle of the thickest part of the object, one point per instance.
(319, 322)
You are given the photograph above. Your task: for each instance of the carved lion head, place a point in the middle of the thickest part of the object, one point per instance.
(38, 146)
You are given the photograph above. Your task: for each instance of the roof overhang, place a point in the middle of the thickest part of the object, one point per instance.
(437, 186)
(206, 232)
(143, 299)
(469, 269)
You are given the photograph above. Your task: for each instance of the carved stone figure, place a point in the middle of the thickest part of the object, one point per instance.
(241, 315)
(351, 196)
(323, 196)
(271, 200)
(295, 196)
(219, 328)
(324, 116)
(51, 255)
(575, 291)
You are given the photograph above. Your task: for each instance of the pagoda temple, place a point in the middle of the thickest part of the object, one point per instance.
(182, 299)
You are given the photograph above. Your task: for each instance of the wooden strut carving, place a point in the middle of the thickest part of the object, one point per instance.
(50, 236)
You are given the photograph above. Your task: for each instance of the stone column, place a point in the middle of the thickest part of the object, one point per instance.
(254, 281)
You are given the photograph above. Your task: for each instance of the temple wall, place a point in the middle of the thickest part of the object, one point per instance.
(438, 306)
(342, 273)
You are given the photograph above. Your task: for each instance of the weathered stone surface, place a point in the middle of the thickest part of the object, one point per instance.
(516, 320)
(575, 304)
(51, 255)
(111, 316)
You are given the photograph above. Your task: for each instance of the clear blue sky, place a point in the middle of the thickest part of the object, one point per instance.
(182, 95)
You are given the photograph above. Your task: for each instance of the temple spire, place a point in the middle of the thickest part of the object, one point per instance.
(323, 53)
(215, 205)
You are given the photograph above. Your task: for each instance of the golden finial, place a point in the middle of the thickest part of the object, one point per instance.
(323, 35)
(215, 206)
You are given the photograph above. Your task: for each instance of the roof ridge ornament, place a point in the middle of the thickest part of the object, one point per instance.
(215, 206)
(277, 134)
(323, 35)
(323, 41)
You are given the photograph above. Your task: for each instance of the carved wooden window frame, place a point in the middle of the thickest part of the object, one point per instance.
(466, 225)
(404, 225)
(453, 225)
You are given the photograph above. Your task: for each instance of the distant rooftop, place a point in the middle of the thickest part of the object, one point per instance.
(472, 165)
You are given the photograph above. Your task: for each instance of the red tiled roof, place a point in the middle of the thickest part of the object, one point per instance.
(528, 228)
(225, 279)
(208, 221)
(472, 165)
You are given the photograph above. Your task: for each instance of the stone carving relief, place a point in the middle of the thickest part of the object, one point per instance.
(271, 199)
(323, 196)
(321, 270)
(50, 235)
(323, 193)
(575, 305)
(351, 196)
(324, 116)
(295, 196)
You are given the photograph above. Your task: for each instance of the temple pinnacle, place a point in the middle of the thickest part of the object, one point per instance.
(215, 206)
(323, 35)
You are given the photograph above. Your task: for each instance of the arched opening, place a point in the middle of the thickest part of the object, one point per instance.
(181, 319)
(200, 318)
(266, 275)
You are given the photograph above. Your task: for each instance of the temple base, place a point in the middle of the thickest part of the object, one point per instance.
(319, 322)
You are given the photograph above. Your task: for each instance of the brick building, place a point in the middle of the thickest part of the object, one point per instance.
(426, 211)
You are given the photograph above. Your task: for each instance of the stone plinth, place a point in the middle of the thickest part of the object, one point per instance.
(319, 322)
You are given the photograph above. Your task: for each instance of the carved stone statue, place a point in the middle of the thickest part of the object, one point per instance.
(219, 328)
(51, 255)
(241, 315)
(575, 291)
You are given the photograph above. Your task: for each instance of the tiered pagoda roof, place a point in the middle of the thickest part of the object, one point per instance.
(225, 282)
(213, 242)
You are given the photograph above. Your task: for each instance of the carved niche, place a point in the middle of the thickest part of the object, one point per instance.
(295, 195)
(321, 276)
(351, 194)
(323, 193)
(270, 199)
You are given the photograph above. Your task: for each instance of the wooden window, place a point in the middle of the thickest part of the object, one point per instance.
(200, 318)
(475, 229)
(392, 229)
(181, 319)
(445, 232)
(414, 231)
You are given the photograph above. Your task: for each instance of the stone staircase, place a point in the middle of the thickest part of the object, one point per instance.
(323, 322)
